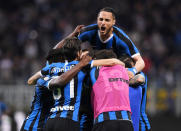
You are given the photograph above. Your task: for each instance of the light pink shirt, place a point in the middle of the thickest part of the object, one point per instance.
(111, 90)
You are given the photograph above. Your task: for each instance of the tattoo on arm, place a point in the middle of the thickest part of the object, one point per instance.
(136, 80)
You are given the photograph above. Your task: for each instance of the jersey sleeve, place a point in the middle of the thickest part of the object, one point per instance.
(44, 82)
(88, 32)
(122, 38)
(45, 71)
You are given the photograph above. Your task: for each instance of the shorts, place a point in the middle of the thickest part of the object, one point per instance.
(61, 124)
(114, 125)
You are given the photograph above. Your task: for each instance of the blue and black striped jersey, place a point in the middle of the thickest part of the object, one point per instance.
(40, 110)
(119, 41)
(86, 112)
(144, 122)
(67, 98)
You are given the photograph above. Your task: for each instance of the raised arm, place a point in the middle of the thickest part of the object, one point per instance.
(139, 65)
(107, 62)
(63, 79)
(74, 33)
(32, 80)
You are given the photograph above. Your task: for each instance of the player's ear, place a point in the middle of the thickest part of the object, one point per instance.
(114, 21)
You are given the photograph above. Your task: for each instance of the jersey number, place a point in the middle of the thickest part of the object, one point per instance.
(57, 92)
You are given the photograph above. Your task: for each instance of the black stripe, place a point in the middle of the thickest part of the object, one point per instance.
(73, 100)
(41, 119)
(106, 116)
(96, 73)
(129, 115)
(44, 72)
(114, 46)
(94, 27)
(43, 115)
(139, 125)
(118, 115)
(94, 41)
(103, 46)
(33, 103)
(32, 124)
(126, 40)
(143, 93)
(47, 102)
(144, 123)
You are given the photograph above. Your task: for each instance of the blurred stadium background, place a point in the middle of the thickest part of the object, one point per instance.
(29, 28)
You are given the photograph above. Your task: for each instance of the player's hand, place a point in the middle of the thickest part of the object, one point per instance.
(85, 60)
(131, 72)
(43, 82)
(77, 30)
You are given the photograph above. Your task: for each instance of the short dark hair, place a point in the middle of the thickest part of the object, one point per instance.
(127, 59)
(71, 47)
(109, 9)
(55, 55)
(105, 54)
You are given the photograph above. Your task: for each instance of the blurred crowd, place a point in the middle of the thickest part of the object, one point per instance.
(29, 28)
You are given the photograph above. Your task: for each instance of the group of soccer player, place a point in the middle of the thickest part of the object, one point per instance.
(97, 89)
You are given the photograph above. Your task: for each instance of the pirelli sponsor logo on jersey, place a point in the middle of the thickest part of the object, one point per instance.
(62, 69)
(118, 79)
(62, 108)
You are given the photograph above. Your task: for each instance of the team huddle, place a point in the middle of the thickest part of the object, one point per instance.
(101, 88)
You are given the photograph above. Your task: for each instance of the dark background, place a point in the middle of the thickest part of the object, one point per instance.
(29, 28)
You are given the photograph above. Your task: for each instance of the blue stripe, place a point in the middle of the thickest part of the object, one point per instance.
(37, 98)
(63, 114)
(112, 115)
(124, 115)
(66, 101)
(29, 121)
(53, 115)
(82, 121)
(92, 74)
(36, 122)
(100, 118)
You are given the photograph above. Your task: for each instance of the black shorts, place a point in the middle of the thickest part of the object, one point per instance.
(113, 125)
(62, 124)
(145, 129)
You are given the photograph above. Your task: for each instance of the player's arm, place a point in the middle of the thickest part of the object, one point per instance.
(137, 80)
(43, 72)
(63, 79)
(107, 62)
(74, 33)
(139, 65)
(32, 80)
